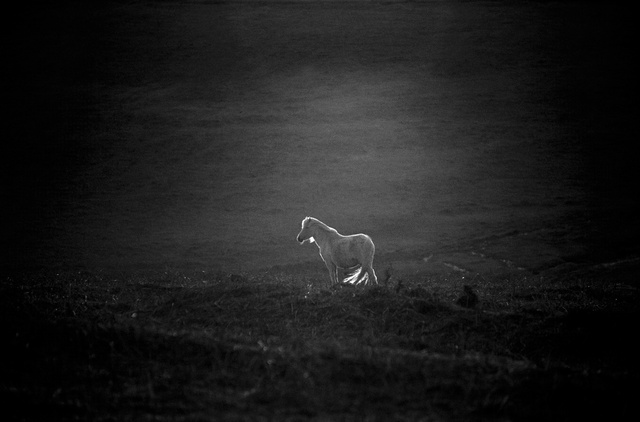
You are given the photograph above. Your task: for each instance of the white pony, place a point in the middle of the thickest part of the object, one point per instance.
(341, 252)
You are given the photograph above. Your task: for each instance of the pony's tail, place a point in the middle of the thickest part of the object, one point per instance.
(353, 277)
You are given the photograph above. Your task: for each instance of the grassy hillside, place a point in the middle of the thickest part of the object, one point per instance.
(214, 346)
(202, 133)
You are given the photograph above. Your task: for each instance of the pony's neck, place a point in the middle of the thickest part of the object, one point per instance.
(322, 231)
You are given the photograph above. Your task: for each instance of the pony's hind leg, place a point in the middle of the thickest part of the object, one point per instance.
(372, 275)
(361, 276)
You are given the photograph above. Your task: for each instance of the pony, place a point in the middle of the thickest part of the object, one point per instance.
(353, 253)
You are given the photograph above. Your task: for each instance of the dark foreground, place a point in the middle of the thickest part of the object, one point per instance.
(215, 346)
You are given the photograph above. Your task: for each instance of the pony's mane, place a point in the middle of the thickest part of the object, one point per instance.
(317, 223)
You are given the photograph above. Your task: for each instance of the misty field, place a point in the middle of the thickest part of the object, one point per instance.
(161, 156)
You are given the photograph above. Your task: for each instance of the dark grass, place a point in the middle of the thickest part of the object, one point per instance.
(214, 346)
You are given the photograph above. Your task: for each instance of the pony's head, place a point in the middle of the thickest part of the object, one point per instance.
(306, 232)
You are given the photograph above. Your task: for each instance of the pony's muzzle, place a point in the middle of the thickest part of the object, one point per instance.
(303, 241)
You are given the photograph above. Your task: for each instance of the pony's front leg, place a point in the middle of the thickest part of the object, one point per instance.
(332, 272)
